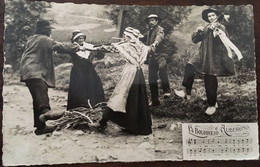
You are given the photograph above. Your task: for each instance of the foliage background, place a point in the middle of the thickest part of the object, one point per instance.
(178, 22)
(20, 23)
(243, 35)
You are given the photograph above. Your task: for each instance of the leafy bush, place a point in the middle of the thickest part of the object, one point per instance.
(20, 20)
(241, 31)
(171, 16)
(135, 16)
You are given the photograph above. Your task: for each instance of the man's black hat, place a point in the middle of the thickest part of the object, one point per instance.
(43, 24)
(209, 10)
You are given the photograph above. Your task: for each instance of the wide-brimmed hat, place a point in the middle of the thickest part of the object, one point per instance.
(137, 33)
(132, 32)
(209, 10)
(43, 24)
(153, 16)
(76, 34)
(129, 32)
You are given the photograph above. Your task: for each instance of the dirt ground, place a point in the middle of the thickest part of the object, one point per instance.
(22, 147)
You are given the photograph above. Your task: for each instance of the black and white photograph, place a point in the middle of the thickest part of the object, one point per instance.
(98, 83)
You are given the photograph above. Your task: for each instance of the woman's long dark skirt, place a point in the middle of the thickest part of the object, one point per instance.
(137, 118)
(85, 85)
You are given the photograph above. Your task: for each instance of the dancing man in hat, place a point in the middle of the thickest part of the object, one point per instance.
(37, 71)
(214, 58)
(156, 60)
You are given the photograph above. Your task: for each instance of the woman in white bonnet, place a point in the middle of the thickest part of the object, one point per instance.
(128, 104)
(85, 88)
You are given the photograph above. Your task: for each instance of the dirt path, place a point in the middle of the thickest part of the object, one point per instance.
(22, 147)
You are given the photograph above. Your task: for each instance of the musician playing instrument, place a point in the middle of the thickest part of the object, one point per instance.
(214, 58)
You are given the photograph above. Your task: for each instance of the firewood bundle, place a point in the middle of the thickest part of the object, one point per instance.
(80, 118)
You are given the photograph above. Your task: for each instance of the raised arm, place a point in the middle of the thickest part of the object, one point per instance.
(198, 35)
(159, 36)
(66, 47)
(126, 55)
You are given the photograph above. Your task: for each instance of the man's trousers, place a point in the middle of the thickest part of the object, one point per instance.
(156, 66)
(211, 84)
(39, 91)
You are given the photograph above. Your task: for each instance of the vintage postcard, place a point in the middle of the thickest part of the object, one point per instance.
(120, 83)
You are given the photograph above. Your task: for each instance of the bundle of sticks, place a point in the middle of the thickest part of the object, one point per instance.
(81, 117)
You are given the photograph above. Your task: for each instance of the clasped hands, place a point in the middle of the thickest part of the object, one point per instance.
(84, 48)
(108, 48)
(153, 46)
